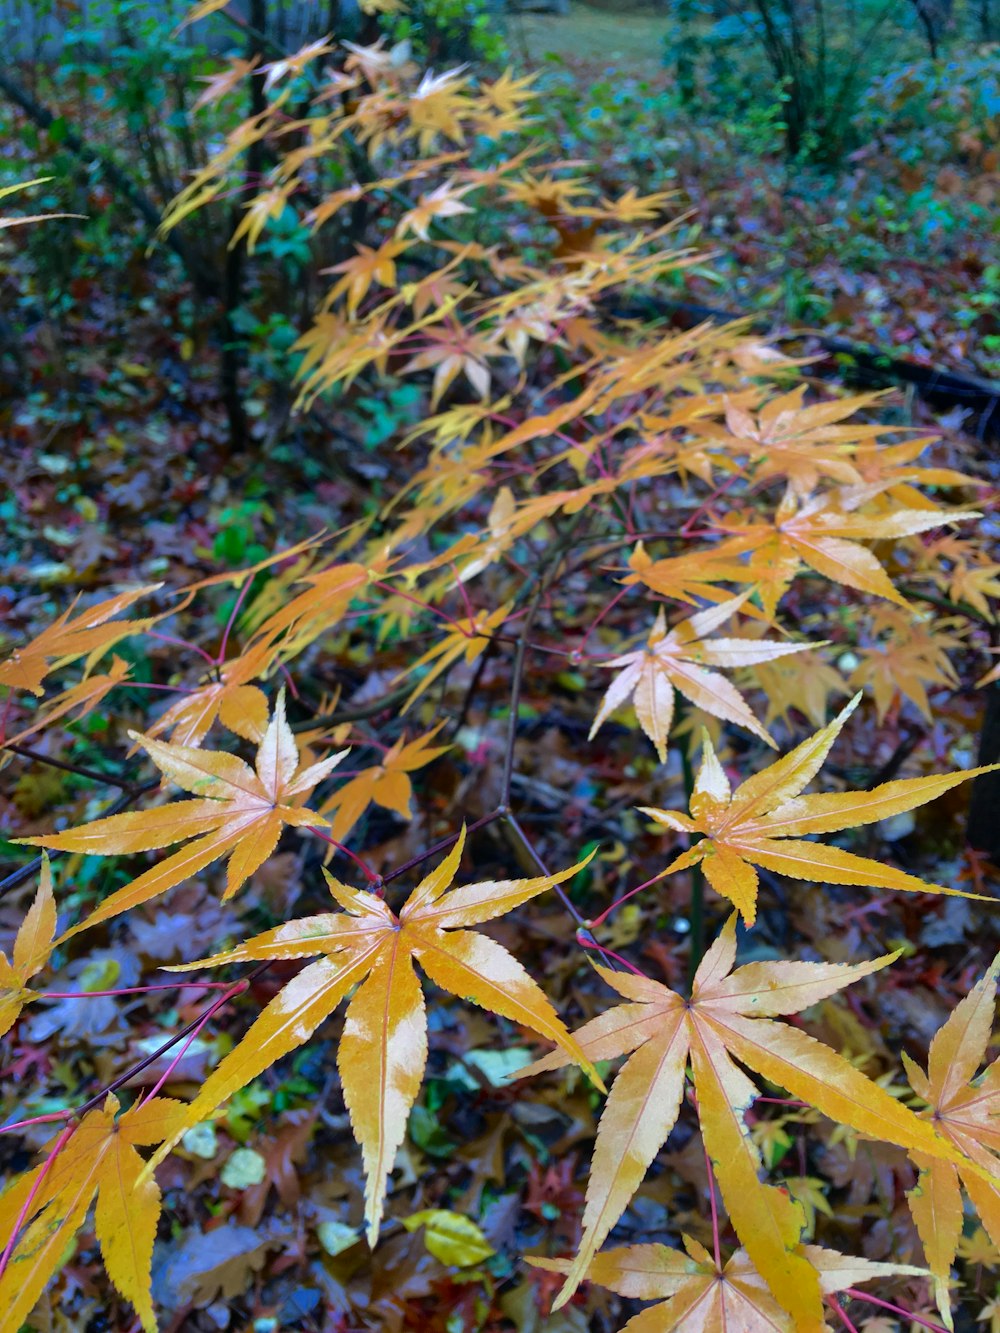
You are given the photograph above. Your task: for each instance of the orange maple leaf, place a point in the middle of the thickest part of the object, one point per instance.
(386, 783)
(239, 705)
(367, 266)
(70, 637)
(81, 698)
(801, 443)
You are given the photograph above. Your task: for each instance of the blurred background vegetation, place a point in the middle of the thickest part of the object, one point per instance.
(838, 160)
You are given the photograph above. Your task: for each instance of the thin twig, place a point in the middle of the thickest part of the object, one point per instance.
(441, 846)
(857, 1295)
(91, 774)
(240, 988)
(28, 871)
(32, 1195)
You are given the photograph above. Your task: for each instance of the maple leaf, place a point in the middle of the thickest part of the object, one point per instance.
(238, 811)
(453, 350)
(382, 7)
(697, 1294)
(674, 661)
(758, 823)
(225, 80)
(81, 698)
(911, 654)
(507, 93)
(200, 11)
(979, 1249)
(98, 1158)
(292, 66)
(630, 207)
(260, 210)
(437, 106)
(435, 291)
(550, 196)
(69, 638)
(690, 577)
(374, 61)
(498, 536)
(976, 581)
(810, 1194)
(443, 202)
(892, 465)
(801, 443)
(728, 1018)
(823, 533)
(32, 949)
(304, 617)
(964, 1108)
(529, 323)
(366, 267)
(469, 638)
(239, 706)
(386, 783)
(383, 1048)
(6, 190)
(205, 185)
(333, 203)
(804, 682)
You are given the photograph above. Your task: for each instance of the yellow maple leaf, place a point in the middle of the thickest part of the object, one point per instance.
(676, 661)
(33, 945)
(765, 822)
(368, 949)
(237, 812)
(696, 1292)
(52, 1201)
(964, 1108)
(730, 1017)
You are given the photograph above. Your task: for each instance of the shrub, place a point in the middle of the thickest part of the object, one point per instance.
(581, 508)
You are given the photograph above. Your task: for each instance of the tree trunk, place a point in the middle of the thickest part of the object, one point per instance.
(232, 346)
(686, 52)
(934, 15)
(984, 811)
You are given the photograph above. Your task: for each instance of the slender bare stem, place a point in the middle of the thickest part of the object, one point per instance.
(25, 1212)
(857, 1295)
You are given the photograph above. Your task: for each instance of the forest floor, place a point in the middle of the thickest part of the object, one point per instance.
(114, 469)
(895, 246)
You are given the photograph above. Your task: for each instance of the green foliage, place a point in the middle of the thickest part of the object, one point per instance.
(807, 68)
(937, 110)
(389, 413)
(452, 30)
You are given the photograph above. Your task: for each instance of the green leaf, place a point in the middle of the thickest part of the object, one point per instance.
(450, 1237)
